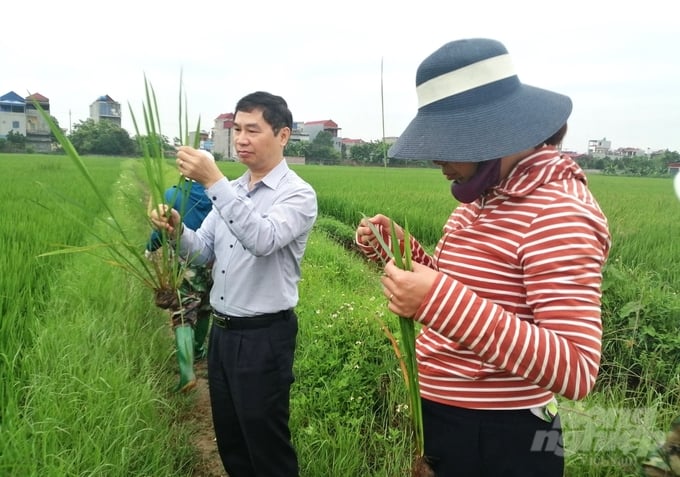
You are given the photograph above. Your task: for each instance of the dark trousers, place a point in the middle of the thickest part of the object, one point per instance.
(472, 443)
(250, 373)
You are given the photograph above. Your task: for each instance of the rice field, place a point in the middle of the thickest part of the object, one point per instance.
(86, 366)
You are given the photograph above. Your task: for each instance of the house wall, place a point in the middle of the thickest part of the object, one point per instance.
(15, 122)
(105, 110)
(222, 143)
(35, 123)
(38, 134)
(312, 130)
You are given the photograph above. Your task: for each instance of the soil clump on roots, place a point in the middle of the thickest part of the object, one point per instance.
(421, 468)
(166, 298)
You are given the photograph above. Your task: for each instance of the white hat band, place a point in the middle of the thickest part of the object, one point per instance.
(464, 79)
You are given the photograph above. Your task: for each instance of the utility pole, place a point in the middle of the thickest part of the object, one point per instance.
(382, 113)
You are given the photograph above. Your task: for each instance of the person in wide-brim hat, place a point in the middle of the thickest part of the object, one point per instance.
(510, 299)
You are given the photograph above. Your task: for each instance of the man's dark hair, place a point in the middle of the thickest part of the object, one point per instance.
(274, 109)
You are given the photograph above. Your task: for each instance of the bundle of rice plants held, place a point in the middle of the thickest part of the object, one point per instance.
(405, 348)
(163, 274)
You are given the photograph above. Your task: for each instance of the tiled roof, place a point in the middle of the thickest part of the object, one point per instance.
(327, 123)
(106, 98)
(12, 97)
(37, 97)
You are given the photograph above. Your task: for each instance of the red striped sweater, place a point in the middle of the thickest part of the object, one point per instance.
(514, 315)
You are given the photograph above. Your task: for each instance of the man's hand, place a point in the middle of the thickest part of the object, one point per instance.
(198, 165)
(166, 218)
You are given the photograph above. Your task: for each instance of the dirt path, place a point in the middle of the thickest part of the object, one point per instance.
(209, 464)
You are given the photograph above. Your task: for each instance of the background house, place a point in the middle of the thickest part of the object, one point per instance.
(204, 140)
(348, 144)
(674, 168)
(104, 108)
(599, 147)
(222, 136)
(312, 128)
(298, 134)
(12, 114)
(629, 152)
(38, 134)
(21, 116)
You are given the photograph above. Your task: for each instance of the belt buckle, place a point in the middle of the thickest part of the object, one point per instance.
(221, 322)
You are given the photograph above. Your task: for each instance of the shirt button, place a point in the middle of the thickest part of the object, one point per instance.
(214, 197)
(224, 271)
(221, 298)
(231, 221)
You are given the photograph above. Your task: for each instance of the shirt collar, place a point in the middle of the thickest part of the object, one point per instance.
(271, 180)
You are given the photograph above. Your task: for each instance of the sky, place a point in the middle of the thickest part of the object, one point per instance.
(618, 61)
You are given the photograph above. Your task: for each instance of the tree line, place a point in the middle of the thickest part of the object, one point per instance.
(656, 165)
(107, 138)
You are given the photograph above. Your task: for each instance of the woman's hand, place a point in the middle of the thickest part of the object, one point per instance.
(364, 234)
(406, 290)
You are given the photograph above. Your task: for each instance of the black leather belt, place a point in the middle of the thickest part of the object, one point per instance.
(248, 322)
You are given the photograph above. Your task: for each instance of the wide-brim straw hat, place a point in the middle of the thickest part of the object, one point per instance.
(472, 107)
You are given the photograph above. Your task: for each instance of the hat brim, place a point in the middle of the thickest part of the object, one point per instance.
(518, 122)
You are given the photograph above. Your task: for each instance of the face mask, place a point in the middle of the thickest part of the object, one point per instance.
(487, 175)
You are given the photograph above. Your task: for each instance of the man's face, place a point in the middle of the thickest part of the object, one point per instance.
(256, 145)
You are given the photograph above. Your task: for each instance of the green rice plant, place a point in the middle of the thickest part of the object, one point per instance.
(164, 273)
(424, 199)
(406, 352)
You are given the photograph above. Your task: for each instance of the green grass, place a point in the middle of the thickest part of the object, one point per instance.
(347, 404)
(86, 391)
(86, 363)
